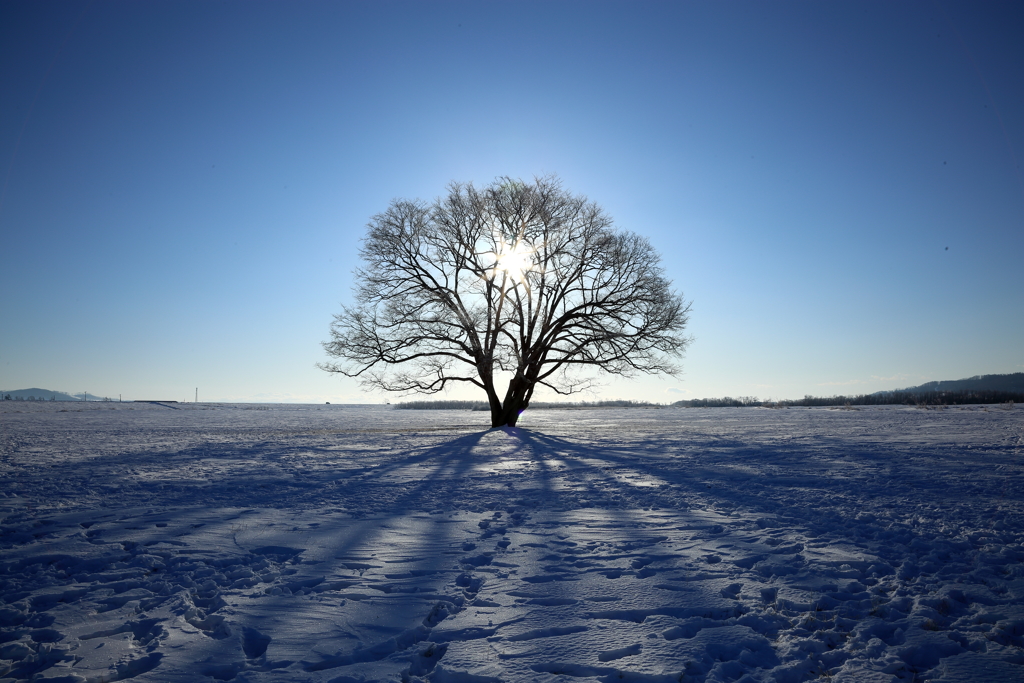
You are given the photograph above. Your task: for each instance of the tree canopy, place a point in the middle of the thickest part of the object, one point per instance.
(525, 278)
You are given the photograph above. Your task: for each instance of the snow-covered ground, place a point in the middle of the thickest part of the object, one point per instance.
(346, 543)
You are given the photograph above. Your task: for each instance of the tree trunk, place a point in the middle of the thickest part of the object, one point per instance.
(516, 401)
(495, 404)
(509, 413)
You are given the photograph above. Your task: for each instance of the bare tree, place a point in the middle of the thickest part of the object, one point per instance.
(516, 277)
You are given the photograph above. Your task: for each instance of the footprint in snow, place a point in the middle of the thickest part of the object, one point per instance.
(254, 643)
(612, 655)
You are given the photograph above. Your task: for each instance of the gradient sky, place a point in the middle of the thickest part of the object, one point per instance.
(836, 186)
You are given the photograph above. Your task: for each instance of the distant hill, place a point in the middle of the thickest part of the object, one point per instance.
(1013, 383)
(36, 394)
(980, 389)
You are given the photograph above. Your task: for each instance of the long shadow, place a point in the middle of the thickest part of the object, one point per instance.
(815, 501)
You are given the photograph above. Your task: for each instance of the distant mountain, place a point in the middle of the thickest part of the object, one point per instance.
(1011, 383)
(36, 394)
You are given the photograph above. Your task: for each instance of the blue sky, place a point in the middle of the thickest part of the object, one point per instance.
(836, 186)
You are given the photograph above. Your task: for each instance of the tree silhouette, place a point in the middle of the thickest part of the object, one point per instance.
(524, 278)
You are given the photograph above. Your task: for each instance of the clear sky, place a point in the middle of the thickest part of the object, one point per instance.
(836, 186)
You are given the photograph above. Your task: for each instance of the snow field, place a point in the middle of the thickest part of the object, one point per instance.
(344, 543)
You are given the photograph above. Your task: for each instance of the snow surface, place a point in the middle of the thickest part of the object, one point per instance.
(345, 543)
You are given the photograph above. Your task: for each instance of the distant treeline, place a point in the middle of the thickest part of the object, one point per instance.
(482, 405)
(726, 402)
(923, 398)
(441, 405)
(926, 398)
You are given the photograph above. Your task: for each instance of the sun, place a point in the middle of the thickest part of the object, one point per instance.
(514, 260)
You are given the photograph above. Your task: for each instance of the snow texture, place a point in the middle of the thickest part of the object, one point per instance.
(337, 544)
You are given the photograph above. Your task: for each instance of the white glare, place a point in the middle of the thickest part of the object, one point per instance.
(513, 260)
